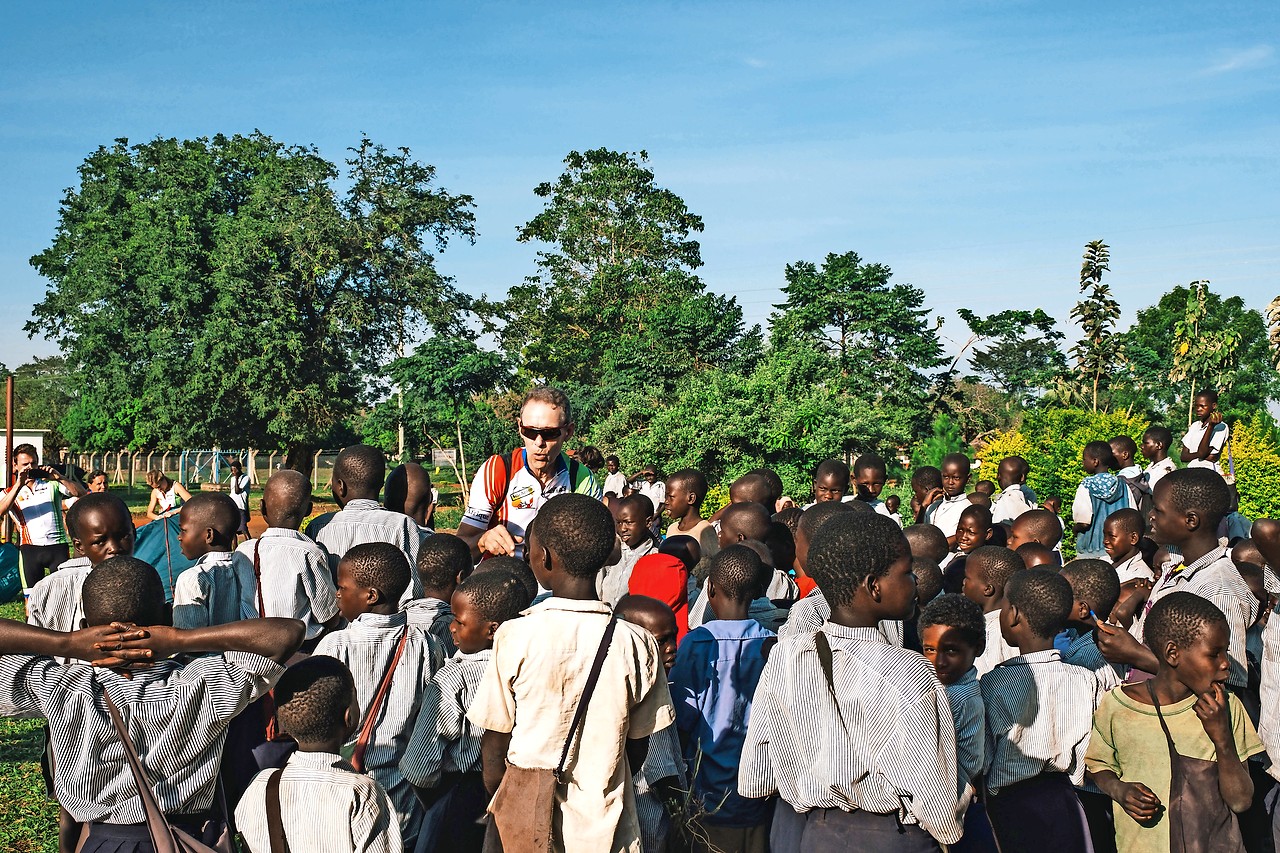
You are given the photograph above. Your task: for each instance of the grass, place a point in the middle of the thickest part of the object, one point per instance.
(28, 818)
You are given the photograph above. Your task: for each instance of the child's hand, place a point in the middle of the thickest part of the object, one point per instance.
(153, 643)
(1116, 644)
(1211, 708)
(1139, 801)
(1215, 417)
(89, 644)
(932, 495)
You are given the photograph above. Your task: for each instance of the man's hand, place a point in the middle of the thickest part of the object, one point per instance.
(499, 542)
(1215, 418)
(1138, 801)
(104, 645)
(1211, 708)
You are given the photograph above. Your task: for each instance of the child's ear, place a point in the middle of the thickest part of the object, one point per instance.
(872, 583)
(712, 592)
(1015, 618)
(373, 596)
(210, 535)
(1171, 654)
(987, 538)
(1191, 518)
(491, 630)
(1082, 611)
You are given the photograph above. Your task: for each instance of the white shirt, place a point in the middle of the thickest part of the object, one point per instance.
(1156, 470)
(1195, 434)
(1012, 502)
(997, 650)
(945, 513)
(241, 497)
(616, 483)
(1133, 569)
(362, 521)
(218, 589)
(655, 491)
(296, 580)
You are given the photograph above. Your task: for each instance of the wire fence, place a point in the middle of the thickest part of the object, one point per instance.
(197, 467)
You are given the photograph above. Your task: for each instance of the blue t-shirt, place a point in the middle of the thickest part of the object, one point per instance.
(713, 681)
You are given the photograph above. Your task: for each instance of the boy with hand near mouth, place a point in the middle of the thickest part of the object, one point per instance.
(945, 509)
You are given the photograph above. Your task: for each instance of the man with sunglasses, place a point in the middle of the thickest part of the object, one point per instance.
(509, 490)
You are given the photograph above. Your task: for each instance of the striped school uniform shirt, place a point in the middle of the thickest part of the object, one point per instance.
(1039, 716)
(1083, 652)
(1213, 577)
(435, 616)
(296, 582)
(367, 646)
(443, 739)
(997, 650)
(888, 747)
(662, 761)
(176, 715)
(810, 613)
(362, 521)
(763, 610)
(1269, 721)
(967, 711)
(218, 589)
(54, 602)
(325, 807)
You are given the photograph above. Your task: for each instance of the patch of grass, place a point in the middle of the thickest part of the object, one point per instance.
(28, 818)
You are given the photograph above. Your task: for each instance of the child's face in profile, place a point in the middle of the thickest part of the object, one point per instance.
(1118, 542)
(975, 582)
(870, 483)
(633, 528)
(829, 487)
(898, 587)
(892, 503)
(104, 533)
(663, 629)
(1167, 527)
(353, 599)
(971, 533)
(949, 652)
(1151, 449)
(1123, 457)
(1204, 662)
(193, 538)
(954, 477)
(471, 633)
(677, 500)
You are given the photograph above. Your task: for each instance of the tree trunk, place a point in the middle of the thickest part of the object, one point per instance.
(462, 460)
(301, 458)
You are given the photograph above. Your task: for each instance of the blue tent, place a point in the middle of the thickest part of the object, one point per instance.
(157, 544)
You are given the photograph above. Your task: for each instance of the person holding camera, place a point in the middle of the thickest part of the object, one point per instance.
(36, 501)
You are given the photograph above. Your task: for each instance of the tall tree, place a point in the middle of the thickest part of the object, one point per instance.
(220, 290)
(1097, 315)
(1016, 351)
(1202, 356)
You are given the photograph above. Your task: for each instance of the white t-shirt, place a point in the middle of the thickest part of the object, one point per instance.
(945, 513)
(240, 497)
(1156, 470)
(1195, 434)
(655, 491)
(616, 483)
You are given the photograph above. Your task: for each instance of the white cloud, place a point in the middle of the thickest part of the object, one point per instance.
(1243, 60)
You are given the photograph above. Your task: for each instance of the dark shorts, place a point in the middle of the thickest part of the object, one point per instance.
(836, 831)
(38, 560)
(244, 522)
(1042, 814)
(135, 837)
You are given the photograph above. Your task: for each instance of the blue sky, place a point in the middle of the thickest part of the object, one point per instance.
(972, 147)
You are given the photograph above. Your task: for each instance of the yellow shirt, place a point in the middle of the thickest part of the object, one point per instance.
(1127, 740)
(532, 685)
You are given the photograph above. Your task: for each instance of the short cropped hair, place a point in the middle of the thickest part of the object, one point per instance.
(832, 468)
(1179, 618)
(957, 459)
(381, 566)
(496, 596)
(362, 467)
(213, 509)
(96, 502)
(552, 397)
(312, 698)
(1094, 582)
(978, 513)
(789, 517)
(1127, 520)
(580, 530)
(1029, 551)
(927, 540)
(870, 462)
(638, 501)
(750, 519)
(1200, 490)
(513, 566)
(957, 612)
(1160, 434)
(737, 571)
(928, 578)
(816, 517)
(926, 477)
(691, 478)
(1043, 597)
(442, 559)
(1208, 393)
(1124, 442)
(850, 548)
(614, 459)
(1043, 525)
(1100, 451)
(123, 589)
(1016, 464)
(26, 450)
(997, 564)
(774, 482)
(752, 487)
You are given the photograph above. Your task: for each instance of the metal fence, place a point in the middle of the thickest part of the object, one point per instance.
(197, 467)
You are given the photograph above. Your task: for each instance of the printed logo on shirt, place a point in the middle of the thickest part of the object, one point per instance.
(523, 497)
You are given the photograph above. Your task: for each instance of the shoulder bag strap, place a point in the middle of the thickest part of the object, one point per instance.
(366, 730)
(826, 661)
(275, 823)
(257, 577)
(161, 832)
(594, 676)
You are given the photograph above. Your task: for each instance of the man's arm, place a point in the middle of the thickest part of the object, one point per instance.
(273, 637)
(70, 485)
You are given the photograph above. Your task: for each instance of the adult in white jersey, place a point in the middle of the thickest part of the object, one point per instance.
(509, 490)
(37, 500)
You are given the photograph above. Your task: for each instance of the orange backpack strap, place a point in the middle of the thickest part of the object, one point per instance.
(511, 463)
(366, 730)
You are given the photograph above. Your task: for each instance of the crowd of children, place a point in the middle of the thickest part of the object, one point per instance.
(770, 678)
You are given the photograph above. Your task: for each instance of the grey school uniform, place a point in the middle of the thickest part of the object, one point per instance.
(54, 602)
(443, 739)
(218, 589)
(615, 580)
(435, 615)
(965, 699)
(296, 581)
(362, 521)
(367, 647)
(811, 612)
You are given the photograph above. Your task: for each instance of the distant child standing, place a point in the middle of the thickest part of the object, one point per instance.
(926, 487)
(714, 679)
(1035, 743)
(686, 490)
(1098, 495)
(634, 525)
(1171, 751)
(944, 512)
(1125, 449)
(987, 573)
(893, 504)
(1016, 496)
(1120, 536)
(615, 483)
(1156, 442)
(1207, 436)
(239, 491)
(870, 473)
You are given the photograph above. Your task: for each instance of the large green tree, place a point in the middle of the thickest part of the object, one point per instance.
(1097, 313)
(1016, 351)
(223, 290)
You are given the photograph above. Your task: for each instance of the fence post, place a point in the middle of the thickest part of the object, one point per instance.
(315, 470)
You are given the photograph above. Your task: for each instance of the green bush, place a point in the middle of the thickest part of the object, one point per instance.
(1257, 467)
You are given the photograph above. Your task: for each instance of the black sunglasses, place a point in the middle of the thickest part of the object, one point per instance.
(548, 435)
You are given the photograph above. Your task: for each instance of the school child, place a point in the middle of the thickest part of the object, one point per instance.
(972, 532)
(686, 490)
(660, 782)
(1037, 525)
(987, 572)
(1188, 504)
(986, 488)
(1098, 495)
(926, 487)
(442, 758)
(220, 587)
(518, 569)
(773, 601)
(869, 475)
(408, 491)
(1156, 442)
(927, 541)
(392, 662)
(324, 804)
(893, 504)
(443, 561)
(1034, 555)
(526, 721)
(808, 613)
(1185, 715)
(1121, 535)
(165, 707)
(358, 474)
(1207, 436)
(928, 579)
(1016, 496)
(664, 576)
(952, 635)
(853, 734)
(830, 482)
(944, 512)
(1125, 449)
(291, 571)
(634, 522)
(1039, 714)
(615, 483)
(715, 676)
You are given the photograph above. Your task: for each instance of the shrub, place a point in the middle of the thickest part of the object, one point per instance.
(1257, 467)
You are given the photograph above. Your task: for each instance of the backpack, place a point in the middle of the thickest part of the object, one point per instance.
(1140, 489)
(513, 462)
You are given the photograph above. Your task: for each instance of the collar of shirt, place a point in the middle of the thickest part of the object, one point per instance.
(735, 629)
(381, 620)
(216, 558)
(573, 604)
(320, 760)
(1177, 567)
(282, 533)
(481, 656)
(361, 505)
(970, 677)
(1131, 471)
(862, 635)
(955, 498)
(1047, 656)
